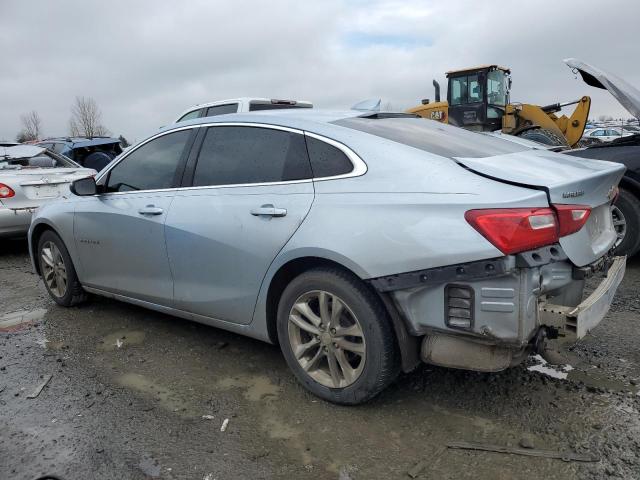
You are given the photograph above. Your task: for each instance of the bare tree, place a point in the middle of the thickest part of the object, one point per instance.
(86, 119)
(31, 127)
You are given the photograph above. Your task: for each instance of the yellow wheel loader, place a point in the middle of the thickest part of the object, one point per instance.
(478, 99)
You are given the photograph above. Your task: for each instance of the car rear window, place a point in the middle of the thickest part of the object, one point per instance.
(433, 137)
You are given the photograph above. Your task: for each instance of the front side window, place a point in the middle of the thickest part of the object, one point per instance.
(152, 166)
(221, 109)
(242, 155)
(190, 115)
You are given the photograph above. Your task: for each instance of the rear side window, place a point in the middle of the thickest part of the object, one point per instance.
(433, 137)
(152, 166)
(327, 160)
(221, 109)
(240, 155)
(190, 115)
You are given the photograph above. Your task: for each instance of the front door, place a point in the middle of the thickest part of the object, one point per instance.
(119, 233)
(254, 191)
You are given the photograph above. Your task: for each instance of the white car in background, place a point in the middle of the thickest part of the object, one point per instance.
(29, 177)
(239, 105)
(605, 134)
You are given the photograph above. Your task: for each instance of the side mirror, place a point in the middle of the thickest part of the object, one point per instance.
(84, 187)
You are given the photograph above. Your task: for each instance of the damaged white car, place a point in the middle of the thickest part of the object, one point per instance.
(29, 177)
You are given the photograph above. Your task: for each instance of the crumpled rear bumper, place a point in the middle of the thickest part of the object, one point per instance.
(575, 322)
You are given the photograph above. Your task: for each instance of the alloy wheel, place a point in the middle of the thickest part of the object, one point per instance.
(54, 270)
(326, 339)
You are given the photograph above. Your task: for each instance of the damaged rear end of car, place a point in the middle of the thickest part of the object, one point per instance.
(551, 229)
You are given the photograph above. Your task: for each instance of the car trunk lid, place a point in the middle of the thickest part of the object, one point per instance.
(43, 183)
(566, 180)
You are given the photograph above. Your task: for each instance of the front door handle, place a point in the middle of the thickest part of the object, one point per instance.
(269, 211)
(150, 210)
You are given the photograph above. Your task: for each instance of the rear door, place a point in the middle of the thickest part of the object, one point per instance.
(251, 190)
(119, 234)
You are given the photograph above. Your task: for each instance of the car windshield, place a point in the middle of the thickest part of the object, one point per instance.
(45, 159)
(434, 137)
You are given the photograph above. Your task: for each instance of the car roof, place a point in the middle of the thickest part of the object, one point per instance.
(285, 117)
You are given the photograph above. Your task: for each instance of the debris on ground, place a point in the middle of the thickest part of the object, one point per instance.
(39, 388)
(224, 425)
(208, 417)
(531, 452)
(555, 371)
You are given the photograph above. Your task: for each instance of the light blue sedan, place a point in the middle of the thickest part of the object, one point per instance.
(361, 243)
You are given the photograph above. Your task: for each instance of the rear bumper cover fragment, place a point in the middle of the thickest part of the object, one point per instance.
(575, 322)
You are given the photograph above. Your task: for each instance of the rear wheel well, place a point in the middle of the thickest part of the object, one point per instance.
(408, 345)
(281, 279)
(630, 186)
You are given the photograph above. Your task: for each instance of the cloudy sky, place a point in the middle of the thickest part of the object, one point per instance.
(146, 61)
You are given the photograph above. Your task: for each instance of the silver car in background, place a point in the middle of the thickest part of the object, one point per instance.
(361, 243)
(29, 177)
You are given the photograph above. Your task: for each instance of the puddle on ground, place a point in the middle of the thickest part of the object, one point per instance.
(257, 387)
(167, 399)
(121, 339)
(599, 381)
(18, 320)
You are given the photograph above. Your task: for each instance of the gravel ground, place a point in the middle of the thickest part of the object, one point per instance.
(137, 394)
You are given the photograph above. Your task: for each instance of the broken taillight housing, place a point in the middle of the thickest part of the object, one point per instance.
(6, 191)
(514, 230)
(571, 218)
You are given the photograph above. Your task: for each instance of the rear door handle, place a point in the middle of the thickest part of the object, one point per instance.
(150, 210)
(269, 210)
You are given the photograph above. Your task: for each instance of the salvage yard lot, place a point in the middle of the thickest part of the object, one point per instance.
(138, 394)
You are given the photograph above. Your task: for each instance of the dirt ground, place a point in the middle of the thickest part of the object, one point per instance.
(136, 394)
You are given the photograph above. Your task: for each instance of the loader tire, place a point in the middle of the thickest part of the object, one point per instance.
(544, 136)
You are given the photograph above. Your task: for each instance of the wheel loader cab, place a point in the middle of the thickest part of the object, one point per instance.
(477, 97)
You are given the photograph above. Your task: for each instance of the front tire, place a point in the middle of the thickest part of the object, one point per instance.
(336, 336)
(626, 221)
(58, 272)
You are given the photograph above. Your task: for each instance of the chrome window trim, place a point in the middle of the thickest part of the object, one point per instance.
(359, 166)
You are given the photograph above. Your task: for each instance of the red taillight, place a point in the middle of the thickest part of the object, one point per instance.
(514, 230)
(571, 218)
(6, 191)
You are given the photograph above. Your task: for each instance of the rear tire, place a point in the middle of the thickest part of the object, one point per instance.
(58, 272)
(346, 357)
(626, 221)
(544, 136)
